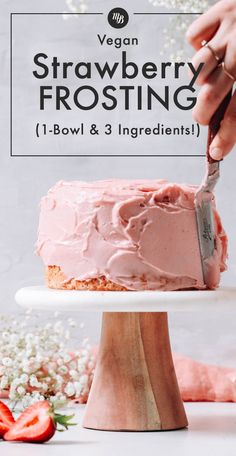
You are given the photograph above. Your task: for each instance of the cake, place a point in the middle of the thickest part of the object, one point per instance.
(124, 235)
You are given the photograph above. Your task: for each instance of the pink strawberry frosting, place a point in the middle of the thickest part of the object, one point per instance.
(140, 234)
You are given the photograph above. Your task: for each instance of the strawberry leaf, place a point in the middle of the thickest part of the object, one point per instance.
(62, 420)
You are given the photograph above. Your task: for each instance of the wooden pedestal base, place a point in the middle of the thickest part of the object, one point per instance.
(135, 386)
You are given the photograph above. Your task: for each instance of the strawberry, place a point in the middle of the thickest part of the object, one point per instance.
(6, 419)
(37, 424)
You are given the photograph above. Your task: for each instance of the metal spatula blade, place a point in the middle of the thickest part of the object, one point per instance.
(204, 196)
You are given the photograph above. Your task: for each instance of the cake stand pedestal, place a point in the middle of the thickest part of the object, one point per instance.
(135, 386)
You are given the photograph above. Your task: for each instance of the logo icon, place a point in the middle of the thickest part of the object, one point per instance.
(118, 18)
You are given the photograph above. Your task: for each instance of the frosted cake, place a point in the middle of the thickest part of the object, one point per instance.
(124, 235)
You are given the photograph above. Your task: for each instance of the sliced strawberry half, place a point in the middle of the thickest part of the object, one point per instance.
(6, 419)
(37, 424)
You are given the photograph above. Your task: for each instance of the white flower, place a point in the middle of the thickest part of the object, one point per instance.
(4, 382)
(73, 364)
(7, 362)
(59, 380)
(74, 374)
(71, 322)
(40, 359)
(84, 379)
(81, 365)
(24, 378)
(33, 381)
(59, 400)
(36, 396)
(173, 35)
(29, 338)
(26, 400)
(21, 390)
(66, 358)
(69, 389)
(63, 369)
(16, 382)
(91, 365)
(25, 366)
(35, 361)
(12, 395)
(44, 387)
(78, 388)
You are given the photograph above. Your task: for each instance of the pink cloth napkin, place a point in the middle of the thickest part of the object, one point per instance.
(204, 382)
(198, 381)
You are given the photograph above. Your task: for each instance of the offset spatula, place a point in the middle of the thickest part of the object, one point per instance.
(204, 197)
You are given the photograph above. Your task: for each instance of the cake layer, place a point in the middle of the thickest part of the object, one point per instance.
(56, 279)
(135, 235)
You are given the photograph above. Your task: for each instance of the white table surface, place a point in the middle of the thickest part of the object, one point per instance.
(43, 298)
(212, 431)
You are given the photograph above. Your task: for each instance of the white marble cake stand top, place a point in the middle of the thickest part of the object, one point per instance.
(43, 298)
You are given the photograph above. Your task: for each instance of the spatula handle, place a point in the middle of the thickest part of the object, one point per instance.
(214, 124)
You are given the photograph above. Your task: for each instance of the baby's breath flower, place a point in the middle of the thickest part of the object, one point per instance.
(24, 378)
(63, 369)
(75, 6)
(67, 358)
(7, 362)
(15, 382)
(174, 33)
(35, 362)
(74, 374)
(71, 322)
(91, 365)
(78, 388)
(69, 389)
(4, 382)
(44, 387)
(33, 381)
(84, 380)
(21, 390)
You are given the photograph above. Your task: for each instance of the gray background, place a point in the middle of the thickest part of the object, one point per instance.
(207, 337)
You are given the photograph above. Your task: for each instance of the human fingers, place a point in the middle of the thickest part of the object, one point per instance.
(226, 136)
(211, 54)
(206, 25)
(211, 94)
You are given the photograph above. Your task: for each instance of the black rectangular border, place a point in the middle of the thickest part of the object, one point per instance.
(83, 155)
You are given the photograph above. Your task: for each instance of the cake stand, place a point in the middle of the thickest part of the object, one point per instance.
(135, 386)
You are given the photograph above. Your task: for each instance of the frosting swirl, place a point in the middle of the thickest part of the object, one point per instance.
(139, 234)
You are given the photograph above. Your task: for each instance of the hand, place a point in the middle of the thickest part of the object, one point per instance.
(217, 28)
